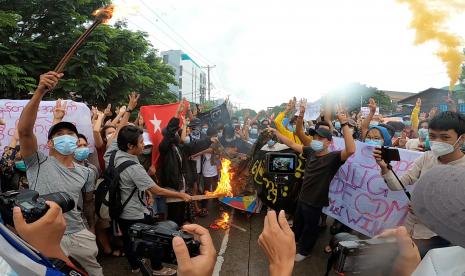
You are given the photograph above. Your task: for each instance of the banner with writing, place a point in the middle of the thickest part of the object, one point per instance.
(312, 111)
(76, 113)
(366, 110)
(277, 193)
(358, 195)
(217, 116)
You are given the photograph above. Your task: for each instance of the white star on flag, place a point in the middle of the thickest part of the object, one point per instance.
(156, 123)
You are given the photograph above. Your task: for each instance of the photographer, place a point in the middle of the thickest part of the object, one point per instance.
(44, 235)
(447, 135)
(439, 209)
(59, 172)
(320, 168)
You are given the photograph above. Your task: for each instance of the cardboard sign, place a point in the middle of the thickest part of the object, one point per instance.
(366, 110)
(76, 113)
(358, 195)
(312, 111)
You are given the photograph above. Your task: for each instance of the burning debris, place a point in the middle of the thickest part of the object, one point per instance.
(221, 223)
(224, 185)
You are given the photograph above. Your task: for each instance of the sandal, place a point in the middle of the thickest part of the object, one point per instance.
(164, 271)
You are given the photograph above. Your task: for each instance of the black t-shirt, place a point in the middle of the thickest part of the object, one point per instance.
(240, 145)
(319, 172)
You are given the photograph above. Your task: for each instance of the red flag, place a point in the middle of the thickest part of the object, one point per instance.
(156, 118)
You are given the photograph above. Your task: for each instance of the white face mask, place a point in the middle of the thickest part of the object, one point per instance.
(442, 148)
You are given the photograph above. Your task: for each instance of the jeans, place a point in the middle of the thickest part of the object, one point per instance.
(306, 228)
(426, 245)
(156, 254)
(209, 184)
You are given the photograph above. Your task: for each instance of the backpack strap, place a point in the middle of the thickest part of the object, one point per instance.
(112, 159)
(120, 169)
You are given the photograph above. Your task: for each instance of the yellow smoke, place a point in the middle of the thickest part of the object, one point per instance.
(429, 22)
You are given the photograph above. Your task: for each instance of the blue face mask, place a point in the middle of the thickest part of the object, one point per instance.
(65, 144)
(317, 146)
(253, 131)
(408, 123)
(20, 165)
(375, 143)
(337, 125)
(373, 124)
(81, 153)
(204, 130)
(423, 133)
(271, 143)
(398, 133)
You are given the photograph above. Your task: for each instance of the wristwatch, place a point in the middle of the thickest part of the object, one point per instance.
(128, 110)
(344, 124)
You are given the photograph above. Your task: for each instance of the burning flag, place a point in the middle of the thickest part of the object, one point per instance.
(224, 185)
(221, 223)
(428, 21)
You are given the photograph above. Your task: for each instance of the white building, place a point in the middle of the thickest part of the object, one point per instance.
(192, 80)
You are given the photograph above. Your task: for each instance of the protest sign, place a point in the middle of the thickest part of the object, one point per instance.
(358, 195)
(312, 111)
(76, 113)
(217, 116)
(366, 110)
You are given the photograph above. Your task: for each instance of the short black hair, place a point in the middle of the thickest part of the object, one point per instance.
(211, 131)
(322, 123)
(448, 120)
(128, 135)
(82, 136)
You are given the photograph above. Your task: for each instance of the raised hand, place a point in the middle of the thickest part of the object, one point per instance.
(418, 102)
(122, 110)
(59, 111)
(48, 81)
(133, 98)
(107, 111)
(372, 105)
(341, 114)
(303, 106)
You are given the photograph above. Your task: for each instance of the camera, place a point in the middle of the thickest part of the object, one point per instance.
(389, 154)
(32, 205)
(147, 238)
(365, 257)
(281, 163)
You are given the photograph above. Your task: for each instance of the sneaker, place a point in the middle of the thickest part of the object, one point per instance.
(164, 271)
(299, 258)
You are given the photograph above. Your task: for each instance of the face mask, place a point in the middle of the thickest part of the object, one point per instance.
(147, 151)
(204, 130)
(109, 136)
(81, 153)
(408, 123)
(291, 128)
(220, 135)
(253, 131)
(229, 140)
(337, 125)
(317, 145)
(423, 133)
(20, 165)
(271, 143)
(398, 133)
(65, 144)
(373, 124)
(441, 148)
(375, 143)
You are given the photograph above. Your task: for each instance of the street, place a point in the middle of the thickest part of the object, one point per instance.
(238, 250)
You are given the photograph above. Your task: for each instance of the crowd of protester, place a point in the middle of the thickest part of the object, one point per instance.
(189, 164)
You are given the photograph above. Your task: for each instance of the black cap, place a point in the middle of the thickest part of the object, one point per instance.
(323, 132)
(228, 131)
(61, 125)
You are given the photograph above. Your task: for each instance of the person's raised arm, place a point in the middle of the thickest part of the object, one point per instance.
(133, 98)
(119, 115)
(451, 103)
(59, 111)
(348, 138)
(415, 116)
(299, 125)
(184, 129)
(367, 120)
(14, 140)
(29, 115)
(96, 129)
(288, 142)
(181, 108)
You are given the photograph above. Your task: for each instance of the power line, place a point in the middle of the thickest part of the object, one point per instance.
(176, 33)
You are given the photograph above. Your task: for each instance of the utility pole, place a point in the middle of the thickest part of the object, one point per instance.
(209, 67)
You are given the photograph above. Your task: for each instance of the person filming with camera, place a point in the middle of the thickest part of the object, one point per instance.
(447, 135)
(320, 168)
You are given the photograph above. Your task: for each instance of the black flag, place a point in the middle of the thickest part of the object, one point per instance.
(215, 117)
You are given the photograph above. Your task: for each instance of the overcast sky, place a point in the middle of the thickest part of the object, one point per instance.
(267, 51)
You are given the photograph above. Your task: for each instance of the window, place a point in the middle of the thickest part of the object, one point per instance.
(462, 108)
(443, 107)
(165, 58)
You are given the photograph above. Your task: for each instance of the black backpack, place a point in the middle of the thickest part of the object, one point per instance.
(108, 193)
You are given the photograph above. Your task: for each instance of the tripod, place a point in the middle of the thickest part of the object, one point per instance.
(398, 179)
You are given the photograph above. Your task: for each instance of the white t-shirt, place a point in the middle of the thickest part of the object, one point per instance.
(448, 261)
(209, 170)
(412, 144)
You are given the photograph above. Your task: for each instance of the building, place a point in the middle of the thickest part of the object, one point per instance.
(397, 96)
(191, 79)
(430, 98)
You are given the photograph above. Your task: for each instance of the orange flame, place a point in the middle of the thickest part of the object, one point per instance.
(105, 13)
(221, 223)
(224, 185)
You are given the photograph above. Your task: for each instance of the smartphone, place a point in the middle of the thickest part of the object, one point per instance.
(390, 154)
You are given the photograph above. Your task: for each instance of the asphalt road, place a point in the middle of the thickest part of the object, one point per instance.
(238, 251)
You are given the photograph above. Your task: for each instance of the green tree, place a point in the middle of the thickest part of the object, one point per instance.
(112, 62)
(240, 113)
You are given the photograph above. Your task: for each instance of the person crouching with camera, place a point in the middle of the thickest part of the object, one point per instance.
(320, 168)
(447, 135)
(130, 144)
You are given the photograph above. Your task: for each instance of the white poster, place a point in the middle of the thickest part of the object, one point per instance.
(366, 110)
(358, 195)
(76, 113)
(312, 111)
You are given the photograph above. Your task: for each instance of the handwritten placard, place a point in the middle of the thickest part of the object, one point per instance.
(76, 113)
(312, 111)
(366, 110)
(359, 197)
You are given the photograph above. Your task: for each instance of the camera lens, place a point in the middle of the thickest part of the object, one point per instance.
(61, 198)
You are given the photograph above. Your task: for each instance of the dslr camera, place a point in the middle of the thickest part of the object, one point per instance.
(32, 205)
(145, 238)
(365, 257)
(280, 163)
